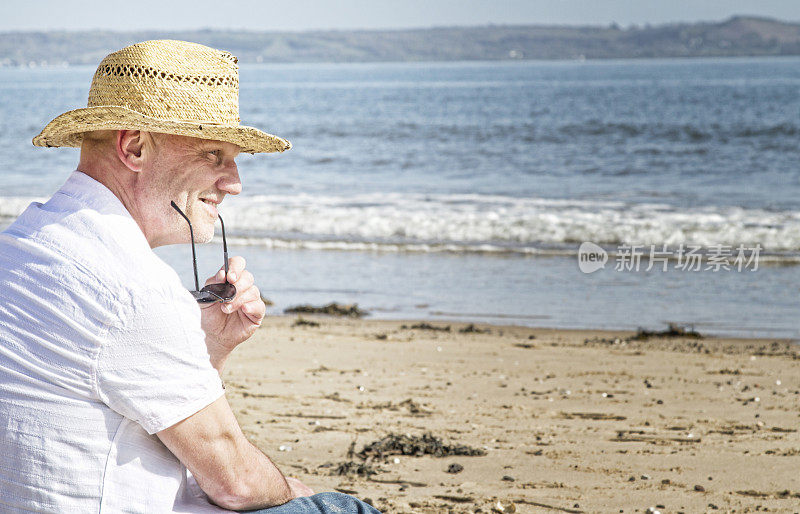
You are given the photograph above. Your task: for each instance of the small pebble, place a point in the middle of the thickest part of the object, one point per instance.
(508, 478)
(645, 477)
(456, 468)
(504, 506)
(396, 460)
(632, 479)
(699, 488)
(284, 448)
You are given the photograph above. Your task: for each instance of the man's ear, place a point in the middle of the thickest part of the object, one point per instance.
(130, 148)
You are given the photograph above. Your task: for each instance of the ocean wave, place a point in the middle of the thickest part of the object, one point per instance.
(571, 250)
(681, 132)
(384, 247)
(475, 223)
(507, 222)
(532, 132)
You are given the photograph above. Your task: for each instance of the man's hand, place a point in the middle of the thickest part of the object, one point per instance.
(298, 488)
(228, 324)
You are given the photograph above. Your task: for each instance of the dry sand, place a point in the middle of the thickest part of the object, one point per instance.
(571, 421)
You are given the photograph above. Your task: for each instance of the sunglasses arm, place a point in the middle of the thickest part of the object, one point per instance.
(194, 255)
(224, 246)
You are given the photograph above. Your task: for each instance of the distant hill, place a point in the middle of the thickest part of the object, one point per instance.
(737, 36)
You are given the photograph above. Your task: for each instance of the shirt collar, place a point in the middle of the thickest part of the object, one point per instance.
(93, 194)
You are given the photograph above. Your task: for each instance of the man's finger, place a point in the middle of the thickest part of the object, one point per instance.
(243, 285)
(242, 297)
(217, 278)
(255, 310)
(236, 266)
(245, 281)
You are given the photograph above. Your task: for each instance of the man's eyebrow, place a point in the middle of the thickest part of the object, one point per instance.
(209, 146)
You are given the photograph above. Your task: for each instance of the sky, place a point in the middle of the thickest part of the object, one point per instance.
(299, 15)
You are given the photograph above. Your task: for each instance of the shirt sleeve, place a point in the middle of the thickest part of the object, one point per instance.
(154, 367)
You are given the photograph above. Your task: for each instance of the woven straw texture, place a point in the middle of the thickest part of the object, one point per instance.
(173, 87)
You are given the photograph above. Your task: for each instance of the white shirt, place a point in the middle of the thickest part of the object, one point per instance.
(100, 348)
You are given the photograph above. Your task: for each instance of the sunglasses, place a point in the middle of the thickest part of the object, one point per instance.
(224, 292)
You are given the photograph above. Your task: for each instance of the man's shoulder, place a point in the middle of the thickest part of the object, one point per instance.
(87, 248)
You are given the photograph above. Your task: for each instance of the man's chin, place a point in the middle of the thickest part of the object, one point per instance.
(203, 231)
(203, 238)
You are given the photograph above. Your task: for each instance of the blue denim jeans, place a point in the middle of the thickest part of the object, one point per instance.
(322, 503)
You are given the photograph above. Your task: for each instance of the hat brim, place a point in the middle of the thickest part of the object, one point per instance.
(68, 128)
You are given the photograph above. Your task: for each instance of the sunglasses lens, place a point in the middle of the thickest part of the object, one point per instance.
(224, 292)
(204, 297)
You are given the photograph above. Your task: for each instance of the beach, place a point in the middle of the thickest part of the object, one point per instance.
(507, 418)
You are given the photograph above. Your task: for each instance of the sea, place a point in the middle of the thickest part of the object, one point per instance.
(462, 191)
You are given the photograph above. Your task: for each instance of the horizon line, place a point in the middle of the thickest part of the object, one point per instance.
(630, 26)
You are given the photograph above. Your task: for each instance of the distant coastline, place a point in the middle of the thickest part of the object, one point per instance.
(736, 37)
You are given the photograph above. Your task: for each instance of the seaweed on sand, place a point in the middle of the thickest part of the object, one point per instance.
(350, 468)
(426, 326)
(300, 322)
(673, 330)
(331, 309)
(426, 444)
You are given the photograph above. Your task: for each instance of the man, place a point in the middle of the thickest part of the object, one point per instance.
(109, 370)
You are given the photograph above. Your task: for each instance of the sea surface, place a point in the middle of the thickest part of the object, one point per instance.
(461, 191)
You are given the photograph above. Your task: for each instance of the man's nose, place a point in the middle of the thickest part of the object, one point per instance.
(230, 182)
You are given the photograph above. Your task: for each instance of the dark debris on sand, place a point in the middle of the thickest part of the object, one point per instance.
(455, 468)
(426, 326)
(413, 408)
(350, 468)
(690, 344)
(472, 329)
(331, 309)
(426, 444)
(673, 330)
(300, 322)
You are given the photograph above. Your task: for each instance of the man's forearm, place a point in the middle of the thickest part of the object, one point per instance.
(255, 482)
(232, 471)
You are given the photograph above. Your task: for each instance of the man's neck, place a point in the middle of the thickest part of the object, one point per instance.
(98, 164)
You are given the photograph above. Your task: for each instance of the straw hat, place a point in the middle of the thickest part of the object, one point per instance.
(172, 87)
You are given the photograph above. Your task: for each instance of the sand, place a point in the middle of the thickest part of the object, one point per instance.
(570, 421)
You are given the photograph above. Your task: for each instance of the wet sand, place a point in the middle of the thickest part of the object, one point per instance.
(570, 421)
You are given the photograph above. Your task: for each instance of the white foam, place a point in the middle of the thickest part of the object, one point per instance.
(396, 222)
(504, 222)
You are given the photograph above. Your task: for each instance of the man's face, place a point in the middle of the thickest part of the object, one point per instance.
(194, 173)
